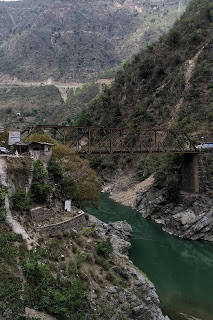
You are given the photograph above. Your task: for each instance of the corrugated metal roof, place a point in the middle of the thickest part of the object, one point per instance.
(21, 143)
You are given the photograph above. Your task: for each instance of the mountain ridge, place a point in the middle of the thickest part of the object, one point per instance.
(77, 40)
(166, 85)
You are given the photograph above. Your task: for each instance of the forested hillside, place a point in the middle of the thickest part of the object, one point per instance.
(77, 40)
(168, 84)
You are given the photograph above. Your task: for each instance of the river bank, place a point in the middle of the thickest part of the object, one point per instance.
(189, 217)
(181, 270)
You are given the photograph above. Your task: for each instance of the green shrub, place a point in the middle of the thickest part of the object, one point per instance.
(11, 303)
(72, 268)
(87, 231)
(54, 169)
(39, 174)
(69, 187)
(104, 248)
(65, 299)
(173, 38)
(95, 161)
(21, 201)
(40, 192)
(148, 166)
(146, 67)
(40, 189)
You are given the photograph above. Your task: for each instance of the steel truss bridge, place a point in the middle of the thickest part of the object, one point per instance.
(118, 141)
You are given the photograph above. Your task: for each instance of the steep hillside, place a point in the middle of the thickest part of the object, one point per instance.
(77, 40)
(167, 85)
(58, 264)
(74, 104)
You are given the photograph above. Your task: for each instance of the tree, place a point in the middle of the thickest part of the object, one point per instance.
(40, 189)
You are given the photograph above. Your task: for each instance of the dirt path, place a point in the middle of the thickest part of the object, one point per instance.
(190, 65)
(31, 313)
(14, 224)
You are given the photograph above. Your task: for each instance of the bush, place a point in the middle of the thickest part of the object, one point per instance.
(79, 182)
(148, 166)
(146, 67)
(69, 187)
(39, 173)
(54, 169)
(173, 38)
(104, 248)
(40, 190)
(21, 201)
(64, 299)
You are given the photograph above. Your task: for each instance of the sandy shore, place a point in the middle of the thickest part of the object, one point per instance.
(127, 198)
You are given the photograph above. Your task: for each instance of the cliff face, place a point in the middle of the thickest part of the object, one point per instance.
(137, 298)
(77, 40)
(185, 214)
(190, 217)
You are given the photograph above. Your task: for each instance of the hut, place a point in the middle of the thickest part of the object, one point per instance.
(37, 150)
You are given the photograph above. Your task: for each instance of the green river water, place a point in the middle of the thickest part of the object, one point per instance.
(181, 270)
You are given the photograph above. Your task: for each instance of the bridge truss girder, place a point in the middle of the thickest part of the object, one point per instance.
(120, 141)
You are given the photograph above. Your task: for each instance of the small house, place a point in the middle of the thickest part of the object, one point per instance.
(37, 150)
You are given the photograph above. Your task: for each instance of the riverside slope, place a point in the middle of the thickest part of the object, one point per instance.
(128, 295)
(138, 294)
(191, 217)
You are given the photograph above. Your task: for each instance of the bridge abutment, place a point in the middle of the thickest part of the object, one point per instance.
(197, 172)
(190, 180)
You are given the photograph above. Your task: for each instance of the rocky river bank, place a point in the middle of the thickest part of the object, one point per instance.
(190, 217)
(137, 297)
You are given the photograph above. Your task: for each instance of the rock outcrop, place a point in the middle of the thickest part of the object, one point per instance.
(191, 217)
(120, 233)
(136, 298)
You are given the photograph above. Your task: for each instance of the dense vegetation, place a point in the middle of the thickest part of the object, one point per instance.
(77, 180)
(167, 85)
(163, 86)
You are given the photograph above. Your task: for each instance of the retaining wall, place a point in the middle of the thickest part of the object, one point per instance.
(77, 223)
(41, 214)
(197, 172)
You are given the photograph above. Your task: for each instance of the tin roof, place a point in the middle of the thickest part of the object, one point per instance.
(22, 143)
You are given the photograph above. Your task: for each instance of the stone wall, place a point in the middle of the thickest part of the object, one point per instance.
(190, 181)
(77, 223)
(197, 172)
(41, 214)
(205, 171)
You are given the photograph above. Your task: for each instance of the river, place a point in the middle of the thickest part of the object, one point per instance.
(181, 270)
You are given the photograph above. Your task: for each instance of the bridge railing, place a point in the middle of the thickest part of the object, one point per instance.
(114, 141)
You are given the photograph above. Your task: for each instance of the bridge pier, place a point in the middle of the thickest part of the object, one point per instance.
(190, 173)
(197, 172)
